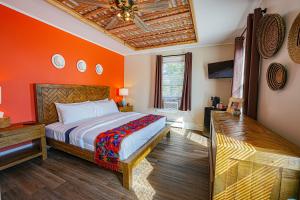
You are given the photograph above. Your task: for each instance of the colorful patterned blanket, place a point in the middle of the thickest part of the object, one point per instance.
(107, 144)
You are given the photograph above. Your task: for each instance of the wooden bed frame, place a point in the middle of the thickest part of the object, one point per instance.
(48, 94)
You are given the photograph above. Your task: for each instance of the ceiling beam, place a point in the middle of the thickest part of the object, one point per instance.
(139, 48)
(166, 35)
(94, 13)
(165, 31)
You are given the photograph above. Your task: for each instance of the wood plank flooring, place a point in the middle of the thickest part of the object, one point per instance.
(176, 169)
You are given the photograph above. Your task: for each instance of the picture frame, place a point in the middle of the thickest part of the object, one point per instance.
(234, 103)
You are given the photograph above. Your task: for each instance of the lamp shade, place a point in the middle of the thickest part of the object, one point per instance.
(0, 95)
(123, 92)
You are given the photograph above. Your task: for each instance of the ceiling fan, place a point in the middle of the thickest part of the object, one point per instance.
(130, 10)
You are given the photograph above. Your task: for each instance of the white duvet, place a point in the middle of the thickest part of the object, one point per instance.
(87, 130)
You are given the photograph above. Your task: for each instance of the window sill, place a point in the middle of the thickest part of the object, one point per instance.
(169, 111)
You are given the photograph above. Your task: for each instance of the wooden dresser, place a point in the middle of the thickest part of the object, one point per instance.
(248, 161)
(18, 134)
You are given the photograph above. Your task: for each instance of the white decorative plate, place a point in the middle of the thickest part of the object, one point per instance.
(99, 69)
(81, 66)
(58, 61)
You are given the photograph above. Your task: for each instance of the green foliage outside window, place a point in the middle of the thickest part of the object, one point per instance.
(172, 80)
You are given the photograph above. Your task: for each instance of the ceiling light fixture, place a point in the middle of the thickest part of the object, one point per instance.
(126, 9)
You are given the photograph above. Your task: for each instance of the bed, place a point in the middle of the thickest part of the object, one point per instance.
(78, 138)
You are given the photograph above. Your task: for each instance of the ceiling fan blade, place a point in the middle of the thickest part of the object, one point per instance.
(184, 2)
(156, 6)
(173, 3)
(139, 13)
(113, 22)
(141, 24)
(94, 3)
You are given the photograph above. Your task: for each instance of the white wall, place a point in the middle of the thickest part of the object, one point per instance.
(280, 110)
(140, 73)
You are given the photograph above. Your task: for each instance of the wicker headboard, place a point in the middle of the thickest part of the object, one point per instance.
(48, 94)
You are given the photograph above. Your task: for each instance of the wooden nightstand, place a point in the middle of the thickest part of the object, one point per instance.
(126, 109)
(18, 134)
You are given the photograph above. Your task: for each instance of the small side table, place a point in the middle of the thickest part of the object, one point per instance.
(19, 134)
(126, 109)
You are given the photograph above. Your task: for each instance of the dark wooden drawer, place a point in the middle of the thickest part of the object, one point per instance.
(21, 135)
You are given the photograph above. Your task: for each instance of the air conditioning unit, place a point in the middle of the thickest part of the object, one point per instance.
(171, 105)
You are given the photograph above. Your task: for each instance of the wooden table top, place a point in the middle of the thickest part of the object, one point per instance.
(245, 130)
(13, 128)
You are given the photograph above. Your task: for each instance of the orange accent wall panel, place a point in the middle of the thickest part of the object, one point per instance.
(26, 48)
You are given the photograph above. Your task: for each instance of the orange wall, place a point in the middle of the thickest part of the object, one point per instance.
(26, 48)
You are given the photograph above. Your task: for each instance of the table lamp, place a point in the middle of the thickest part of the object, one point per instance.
(4, 121)
(123, 92)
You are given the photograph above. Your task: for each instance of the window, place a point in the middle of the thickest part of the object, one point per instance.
(172, 81)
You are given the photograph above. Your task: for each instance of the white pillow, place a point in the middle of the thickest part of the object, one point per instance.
(105, 107)
(102, 100)
(73, 113)
(57, 105)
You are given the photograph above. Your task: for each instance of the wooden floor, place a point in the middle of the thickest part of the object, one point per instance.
(176, 169)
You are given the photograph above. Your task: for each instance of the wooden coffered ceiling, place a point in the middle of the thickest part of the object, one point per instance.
(169, 26)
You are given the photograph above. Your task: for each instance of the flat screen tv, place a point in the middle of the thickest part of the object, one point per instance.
(220, 70)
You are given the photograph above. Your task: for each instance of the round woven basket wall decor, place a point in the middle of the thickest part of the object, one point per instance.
(294, 40)
(276, 76)
(270, 35)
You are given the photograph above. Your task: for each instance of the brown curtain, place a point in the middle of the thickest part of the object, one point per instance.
(252, 65)
(187, 84)
(237, 83)
(158, 83)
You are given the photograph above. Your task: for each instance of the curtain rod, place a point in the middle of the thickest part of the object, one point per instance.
(183, 54)
(264, 11)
